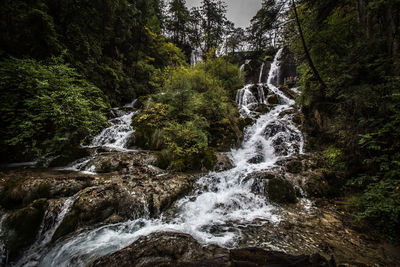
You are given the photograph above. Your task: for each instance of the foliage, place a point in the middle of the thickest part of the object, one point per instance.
(114, 44)
(45, 107)
(354, 47)
(192, 116)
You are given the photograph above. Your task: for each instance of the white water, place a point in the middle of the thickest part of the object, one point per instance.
(223, 201)
(32, 255)
(117, 135)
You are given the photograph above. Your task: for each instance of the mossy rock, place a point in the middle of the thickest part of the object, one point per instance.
(294, 166)
(68, 225)
(244, 122)
(23, 226)
(262, 108)
(281, 191)
(273, 100)
(316, 185)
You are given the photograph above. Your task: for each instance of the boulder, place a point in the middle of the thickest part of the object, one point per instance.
(281, 191)
(273, 99)
(222, 162)
(23, 226)
(176, 249)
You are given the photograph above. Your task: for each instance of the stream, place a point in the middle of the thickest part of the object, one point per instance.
(223, 202)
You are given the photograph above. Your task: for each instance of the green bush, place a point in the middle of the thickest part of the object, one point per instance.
(45, 107)
(190, 118)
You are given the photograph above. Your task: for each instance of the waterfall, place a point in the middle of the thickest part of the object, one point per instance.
(261, 72)
(223, 203)
(32, 256)
(195, 57)
(273, 79)
(118, 134)
(247, 61)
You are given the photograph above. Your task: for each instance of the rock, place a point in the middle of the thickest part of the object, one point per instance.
(176, 249)
(23, 225)
(125, 197)
(294, 166)
(263, 109)
(69, 154)
(18, 191)
(315, 184)
(287, 92)
(273, 99)
(161, 249)
(223, 162)
(281, 191)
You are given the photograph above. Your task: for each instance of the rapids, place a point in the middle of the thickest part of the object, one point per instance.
(219, 207)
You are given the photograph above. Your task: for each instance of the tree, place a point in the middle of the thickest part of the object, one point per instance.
(213, 23)
(263, 25)
(177, 22)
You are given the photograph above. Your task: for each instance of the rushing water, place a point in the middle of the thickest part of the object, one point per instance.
(223, 202)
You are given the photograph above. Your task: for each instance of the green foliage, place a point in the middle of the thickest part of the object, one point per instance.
(114, 44)
(355, 50)
(192, 116)
(45, 108)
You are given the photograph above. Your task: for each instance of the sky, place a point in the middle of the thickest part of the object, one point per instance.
(239, 12)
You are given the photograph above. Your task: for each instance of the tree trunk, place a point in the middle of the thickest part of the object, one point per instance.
(323, 86)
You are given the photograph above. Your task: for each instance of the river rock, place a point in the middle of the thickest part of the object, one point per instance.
(124, 197)
(222, 162)
(280, 191)
(176, 249)
(23, 225)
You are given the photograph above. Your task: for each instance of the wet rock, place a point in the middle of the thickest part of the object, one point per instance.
(116, 162)
(223, 162)
(125, 197)
(273, 99)
(68, 155)
(316, 185)
(294, 166)
(175, 249)
(281, 191)
(161, 249)
(23, 225)
(287, 92)
(263, 109)
(21, 188)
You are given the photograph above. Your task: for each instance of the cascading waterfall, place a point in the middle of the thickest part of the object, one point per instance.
(48, 227)
(247, 61)
(222, 203)
(118, 134)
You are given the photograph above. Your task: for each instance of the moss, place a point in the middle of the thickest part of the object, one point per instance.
(23, 226)
(281, 191)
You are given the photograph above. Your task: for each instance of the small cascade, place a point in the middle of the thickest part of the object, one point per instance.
(131, 104)
(3, 254)
(117, 135)
(196, 57)
(223, 203)
(273, 79)
(261, 72)
(48, 227)
(247, 61)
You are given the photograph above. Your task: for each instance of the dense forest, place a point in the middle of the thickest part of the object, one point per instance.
(65, 64)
